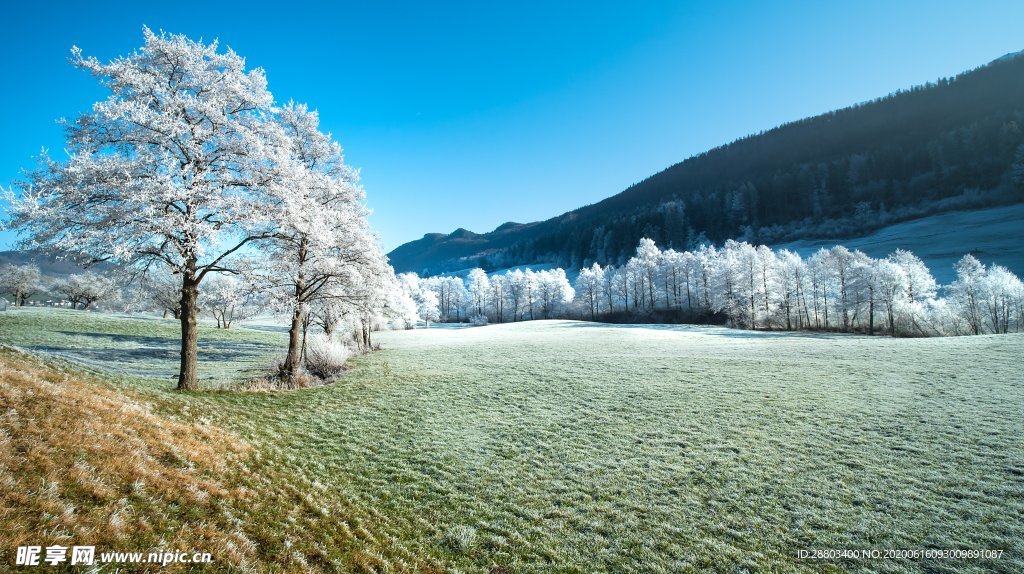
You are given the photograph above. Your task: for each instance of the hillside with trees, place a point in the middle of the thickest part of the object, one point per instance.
(954, 144)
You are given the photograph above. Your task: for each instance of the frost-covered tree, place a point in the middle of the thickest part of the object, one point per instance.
(20, 281)
(427, 307)
(228, 299)
(647, 263)
(706, 262)
(497, 297)
(425, 299)
(1002, 290)
(84, 289)
(839, 261)
(676, 269)
(458, 298)
(792, 272)
(864, 287)
(891, 288)
(588, 288)
(608, 287)
(163, 292)
(967, 292)
(479, 287)
(517, 289)
(375, 300)
(919, 287)
(323, 245)
(452, 296)
(734, 282)
(819, 274)
(553, 291)
(768, 282)
(621, 283)
(171, 170)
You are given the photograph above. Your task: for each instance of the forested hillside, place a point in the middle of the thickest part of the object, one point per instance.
(957, 143)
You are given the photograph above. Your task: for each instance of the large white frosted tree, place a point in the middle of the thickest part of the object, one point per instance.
(169, 171)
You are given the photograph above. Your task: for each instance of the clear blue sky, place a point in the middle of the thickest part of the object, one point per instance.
(472, 114)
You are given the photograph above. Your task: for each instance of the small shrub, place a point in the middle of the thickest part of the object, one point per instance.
(325, 356)
(478, 320)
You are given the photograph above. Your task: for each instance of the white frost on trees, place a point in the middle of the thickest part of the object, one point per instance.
(20, 281)
(836, 289)
(82, 290)
(171, 170)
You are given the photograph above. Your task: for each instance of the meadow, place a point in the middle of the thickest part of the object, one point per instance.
(560, 446)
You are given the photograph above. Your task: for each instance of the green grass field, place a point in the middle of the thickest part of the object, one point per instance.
(559, 446)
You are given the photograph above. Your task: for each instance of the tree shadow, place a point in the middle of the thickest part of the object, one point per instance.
(121, 338)
(150, 356)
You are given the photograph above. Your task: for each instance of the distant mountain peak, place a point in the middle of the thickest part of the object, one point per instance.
(462, 233)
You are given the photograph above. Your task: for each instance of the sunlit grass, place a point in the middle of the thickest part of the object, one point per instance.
(569, 447)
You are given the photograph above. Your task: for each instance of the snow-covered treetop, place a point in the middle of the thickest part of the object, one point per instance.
(173, 166)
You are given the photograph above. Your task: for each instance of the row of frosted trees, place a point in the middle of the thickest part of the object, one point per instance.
(516, 295)
(746, 286)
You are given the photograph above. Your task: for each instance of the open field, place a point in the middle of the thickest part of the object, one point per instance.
(571, 447)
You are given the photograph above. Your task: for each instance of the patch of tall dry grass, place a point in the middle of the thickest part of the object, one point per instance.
(83, 464)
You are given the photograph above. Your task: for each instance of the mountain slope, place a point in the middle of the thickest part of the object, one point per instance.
(954, 144)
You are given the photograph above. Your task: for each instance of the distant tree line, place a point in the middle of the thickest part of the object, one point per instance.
(744, 286)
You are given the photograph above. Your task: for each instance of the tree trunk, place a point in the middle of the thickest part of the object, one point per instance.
(292, 361)
(871, 312)
(188, 375)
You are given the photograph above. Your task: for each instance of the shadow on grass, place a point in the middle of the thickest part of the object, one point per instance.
(221, 348)
(148, 356)
(122, 339)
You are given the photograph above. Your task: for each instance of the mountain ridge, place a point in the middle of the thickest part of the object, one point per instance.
(950, 144)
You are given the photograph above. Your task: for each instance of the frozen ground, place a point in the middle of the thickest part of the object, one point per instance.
(566, 446)
(559, 446)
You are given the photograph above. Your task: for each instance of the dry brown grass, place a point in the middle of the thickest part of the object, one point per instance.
(84, 464)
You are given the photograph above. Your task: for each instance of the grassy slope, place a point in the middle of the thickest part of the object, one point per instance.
(563, 446)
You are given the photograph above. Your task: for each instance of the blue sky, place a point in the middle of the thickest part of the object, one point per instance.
(472, 114)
